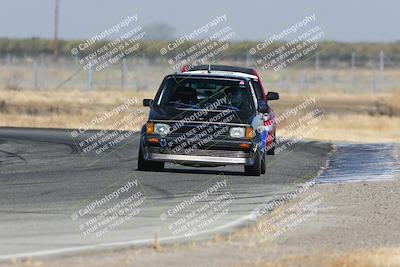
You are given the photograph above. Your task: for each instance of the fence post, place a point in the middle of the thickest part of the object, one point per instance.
(247, 59)
(146, 72)
(106, 80)
(123, 70)
(317, 61)
(35, 74)
(8, 59)
(381, 68)
(304, 80)
(316, 76)
(43, 71)
(381, 61)
(89, 77)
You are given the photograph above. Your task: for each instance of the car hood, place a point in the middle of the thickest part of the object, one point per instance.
(174, 114)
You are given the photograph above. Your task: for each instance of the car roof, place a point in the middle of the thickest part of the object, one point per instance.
(227, 68)
(223, 70)
(205, 74)
(223, 73)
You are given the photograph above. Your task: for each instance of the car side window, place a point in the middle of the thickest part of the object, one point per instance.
(253, 94)
(257, 90)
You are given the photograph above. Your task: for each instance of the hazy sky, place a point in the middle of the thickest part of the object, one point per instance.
(351, 20)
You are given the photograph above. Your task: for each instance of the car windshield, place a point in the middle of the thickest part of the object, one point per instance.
(192, 93)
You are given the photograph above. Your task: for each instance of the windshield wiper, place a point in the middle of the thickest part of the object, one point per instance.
(184, 104)
(229, 107)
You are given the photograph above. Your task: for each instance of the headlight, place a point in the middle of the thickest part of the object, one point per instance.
(237, 132)
(162, 129)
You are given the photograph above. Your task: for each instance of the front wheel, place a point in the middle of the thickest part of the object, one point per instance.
(147, 165)
(256, 168)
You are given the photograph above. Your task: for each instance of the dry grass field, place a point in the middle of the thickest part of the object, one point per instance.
(59, 109)
(349, 117)
(360, 117)
(361, 258)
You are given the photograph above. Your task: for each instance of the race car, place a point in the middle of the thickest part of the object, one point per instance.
(204, 118)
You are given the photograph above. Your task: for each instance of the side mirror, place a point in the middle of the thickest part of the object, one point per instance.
(262, 106)
(147, 102)
(272, 96)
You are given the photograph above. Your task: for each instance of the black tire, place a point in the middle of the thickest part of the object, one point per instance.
(271, 151)
(255, 169)
(147, 165)
(263, 164)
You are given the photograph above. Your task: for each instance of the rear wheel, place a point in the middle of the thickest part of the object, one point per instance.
(147, 165)
(263, 164)
(255, 169)
(271, 150)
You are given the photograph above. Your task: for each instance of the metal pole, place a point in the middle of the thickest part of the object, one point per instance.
(353, 64)
(35, 74)
(146, 72)
(106, 80)
(317, 62)
(89, 78)
(8, 59)
(247, 59)
(123, 69)
(381, 61)
(381, 67)
(43, 71)
(56, 25)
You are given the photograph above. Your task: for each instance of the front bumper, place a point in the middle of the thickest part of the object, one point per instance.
(201, 157)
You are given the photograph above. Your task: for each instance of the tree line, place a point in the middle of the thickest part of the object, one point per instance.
(239, 50)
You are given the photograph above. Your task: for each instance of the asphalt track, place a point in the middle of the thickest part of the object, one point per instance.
(45, 181)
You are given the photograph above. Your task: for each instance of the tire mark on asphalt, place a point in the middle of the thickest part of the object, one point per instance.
(12, 154)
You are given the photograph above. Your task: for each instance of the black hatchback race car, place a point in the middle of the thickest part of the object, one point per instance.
(206, 119)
